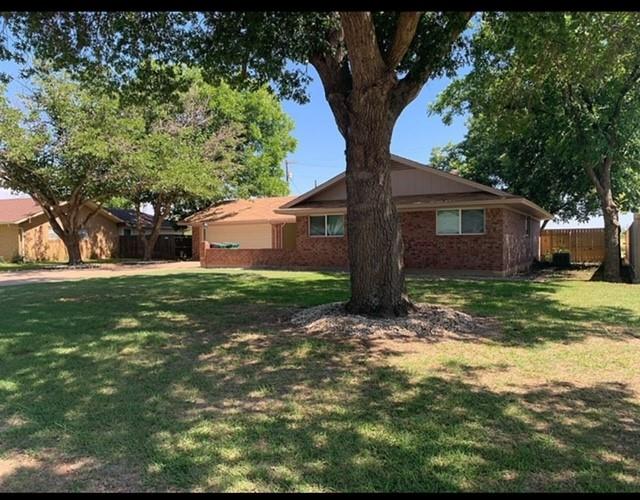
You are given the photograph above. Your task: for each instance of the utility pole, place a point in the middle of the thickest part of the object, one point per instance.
(286, 171)
(288, 175)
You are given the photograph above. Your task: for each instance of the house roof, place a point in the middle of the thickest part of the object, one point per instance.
(129, 218)
(14, 211)
(245, 211)
(19, 210)
(481, 195)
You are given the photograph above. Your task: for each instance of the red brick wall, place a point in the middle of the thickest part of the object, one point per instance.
(248, 257)
(323, 252)
(423, 248)
(519, 249)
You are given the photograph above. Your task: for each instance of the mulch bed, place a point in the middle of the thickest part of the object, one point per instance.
(427, 321)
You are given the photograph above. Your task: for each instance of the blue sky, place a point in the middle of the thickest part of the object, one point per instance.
(320, 151)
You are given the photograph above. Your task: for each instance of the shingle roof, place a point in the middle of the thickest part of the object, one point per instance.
(129, 218)
(17, 209)
(254, 210)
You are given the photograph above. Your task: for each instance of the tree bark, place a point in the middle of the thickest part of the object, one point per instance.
(602, 184)
(612, 252)
(72, 244)
(376, 249)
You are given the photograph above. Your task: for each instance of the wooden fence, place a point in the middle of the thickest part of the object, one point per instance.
(584, 245)
(168, 247)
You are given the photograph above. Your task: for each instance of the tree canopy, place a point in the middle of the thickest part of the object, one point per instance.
(554, 100)
(63, 146)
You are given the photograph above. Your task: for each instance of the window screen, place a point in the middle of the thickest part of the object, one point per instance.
(472, 221)
(448, 222)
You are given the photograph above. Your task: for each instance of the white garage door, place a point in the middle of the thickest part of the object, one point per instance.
(248, 235)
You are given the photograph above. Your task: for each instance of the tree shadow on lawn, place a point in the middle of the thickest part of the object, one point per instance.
(185, 388)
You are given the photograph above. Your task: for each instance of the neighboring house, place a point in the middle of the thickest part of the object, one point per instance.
(129, 226)
(447, 223)
(25, 231)
(252, 223)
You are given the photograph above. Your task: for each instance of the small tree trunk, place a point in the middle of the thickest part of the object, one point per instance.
(147, 250)
(151, 239)
(149, 244)
(375, 243)
(72, 244)
(612, 253)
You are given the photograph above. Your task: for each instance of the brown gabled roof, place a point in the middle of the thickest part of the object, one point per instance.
(253, 210)
(303, 204)
(18, 210)
(13, 211)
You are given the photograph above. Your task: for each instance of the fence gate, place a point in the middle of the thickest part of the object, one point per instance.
(585, 245)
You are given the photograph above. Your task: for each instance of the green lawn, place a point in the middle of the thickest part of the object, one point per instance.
(30, 266)
(27, 266)
(195, 381)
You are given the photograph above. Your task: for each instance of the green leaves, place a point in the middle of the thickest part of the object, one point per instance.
(64, 141)
(202, 142)
(549, 95)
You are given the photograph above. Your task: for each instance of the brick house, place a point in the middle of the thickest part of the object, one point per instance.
(447, 223)
(25, 232)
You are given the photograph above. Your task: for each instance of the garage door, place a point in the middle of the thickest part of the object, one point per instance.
(248, 235)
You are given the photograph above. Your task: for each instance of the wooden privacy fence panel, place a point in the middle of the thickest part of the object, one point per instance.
(168, 247)
(584, 245)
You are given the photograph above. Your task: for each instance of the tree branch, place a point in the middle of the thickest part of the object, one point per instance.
(92, 213)
(409, 87)
(336, 79)
(594, 178)
(363, 51)
(405, 32)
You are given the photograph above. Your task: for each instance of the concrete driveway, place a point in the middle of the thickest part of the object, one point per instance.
(8, 278)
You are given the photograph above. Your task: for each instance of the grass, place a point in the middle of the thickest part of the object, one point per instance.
(31, 266)
(27, 266)
(193, 381)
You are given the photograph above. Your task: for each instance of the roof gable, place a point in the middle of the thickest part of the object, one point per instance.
(414, 186)
(408, 178)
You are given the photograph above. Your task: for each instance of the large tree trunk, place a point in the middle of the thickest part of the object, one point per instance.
(366, 97)
(612, 239)
(72, 244)
(602, 183)
(375, 243)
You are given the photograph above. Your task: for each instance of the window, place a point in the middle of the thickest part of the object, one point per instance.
(326, 225)
(127, 232)
(83, 233)
(460, 221)
(527, 225)
(52, 235)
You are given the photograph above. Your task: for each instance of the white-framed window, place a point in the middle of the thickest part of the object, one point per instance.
(460, 221)
(52, 235)
(326, 226)
(527, 225)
